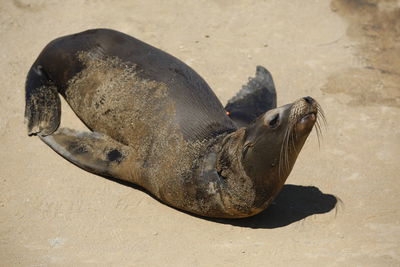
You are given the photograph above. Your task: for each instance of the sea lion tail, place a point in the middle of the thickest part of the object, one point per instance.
(254, 99)
(42, 103)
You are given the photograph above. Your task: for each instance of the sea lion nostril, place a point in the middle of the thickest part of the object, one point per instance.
(308, 99)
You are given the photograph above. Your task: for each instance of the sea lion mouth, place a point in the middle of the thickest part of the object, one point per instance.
(311, 116)
(306, 122)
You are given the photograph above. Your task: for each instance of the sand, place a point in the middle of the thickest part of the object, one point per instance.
(345, 54)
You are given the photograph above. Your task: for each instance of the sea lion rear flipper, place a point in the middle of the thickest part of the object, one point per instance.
(42, 106)
(91, 151)
(255, 98)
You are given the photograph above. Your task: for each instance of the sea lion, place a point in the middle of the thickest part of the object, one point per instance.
(155, 122)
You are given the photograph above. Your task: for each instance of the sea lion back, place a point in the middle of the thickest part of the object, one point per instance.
(198, 112)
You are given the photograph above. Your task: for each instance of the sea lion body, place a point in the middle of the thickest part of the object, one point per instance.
(155, 122)
(187, 89)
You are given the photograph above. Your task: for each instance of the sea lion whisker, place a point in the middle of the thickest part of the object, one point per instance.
(321, 114)
(289, 140)
(293, 138)
(318, 126)
(282, 156)
(287, 147)
(284, 161)
(319, 134)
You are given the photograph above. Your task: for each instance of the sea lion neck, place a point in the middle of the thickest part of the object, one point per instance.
(255, 161)
(237, 188)
(248, 186)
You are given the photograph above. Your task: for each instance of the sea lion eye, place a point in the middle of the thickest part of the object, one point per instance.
(274, 121)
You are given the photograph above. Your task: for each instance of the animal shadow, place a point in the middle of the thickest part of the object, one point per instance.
(294, 203)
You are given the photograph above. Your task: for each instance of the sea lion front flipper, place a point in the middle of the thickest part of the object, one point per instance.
(42, 103)
(255, 98)
(93, 152)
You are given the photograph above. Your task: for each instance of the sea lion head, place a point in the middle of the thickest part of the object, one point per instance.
(273, 142)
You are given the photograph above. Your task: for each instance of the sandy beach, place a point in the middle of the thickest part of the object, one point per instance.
(341, 203)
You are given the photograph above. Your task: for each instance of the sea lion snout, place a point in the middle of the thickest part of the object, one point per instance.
(304, 114)
(302, 107)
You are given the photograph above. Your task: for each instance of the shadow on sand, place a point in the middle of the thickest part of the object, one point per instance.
(294, 203)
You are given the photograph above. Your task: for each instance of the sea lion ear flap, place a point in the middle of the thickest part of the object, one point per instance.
(90, 151)
(254, 99)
